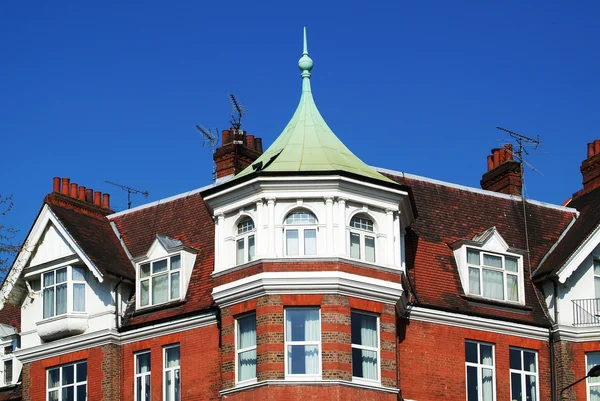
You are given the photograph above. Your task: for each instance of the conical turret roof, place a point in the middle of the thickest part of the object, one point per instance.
(307, 143)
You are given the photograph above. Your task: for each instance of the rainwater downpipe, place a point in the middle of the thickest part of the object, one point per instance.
(551, 341)
(117, 302)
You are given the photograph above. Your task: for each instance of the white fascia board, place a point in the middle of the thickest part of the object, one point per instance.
(577, 334)
(161, 329)
(478, 323)
(562, 235)
(324, 282)
(579, 255)
(309, 383)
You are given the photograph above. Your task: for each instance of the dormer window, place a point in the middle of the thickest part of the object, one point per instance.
(245, 242)
(493, 276)
(160, 281)
(300, 229)
(362, 238)
(56, 287)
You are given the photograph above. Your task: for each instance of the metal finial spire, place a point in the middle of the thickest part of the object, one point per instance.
(306, 64)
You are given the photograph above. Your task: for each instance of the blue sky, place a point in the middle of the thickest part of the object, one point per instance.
(112, 90)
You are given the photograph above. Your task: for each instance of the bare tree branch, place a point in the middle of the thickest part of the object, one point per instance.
(8, 246)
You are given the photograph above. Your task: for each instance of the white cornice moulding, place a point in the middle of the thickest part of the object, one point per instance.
(329, 282)
(478, 323)
(309, 383)
(111, 336)
(577, 334)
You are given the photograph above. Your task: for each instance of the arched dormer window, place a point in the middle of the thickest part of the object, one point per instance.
(362, 238)
(300, 228)
(244, 243)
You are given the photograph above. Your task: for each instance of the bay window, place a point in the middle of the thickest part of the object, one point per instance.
(245, 242)
(362, 238)
(142, 376)
(160, 281)
(479, 361)
(245, 348)
(493, 276)
(67, 382)
(172, 379)
(300, 229)
(523, 375)
(365, 346)
(56, 286)
(302, 342)
(593, 383)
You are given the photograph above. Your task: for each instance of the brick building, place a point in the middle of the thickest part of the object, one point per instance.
(303, 273)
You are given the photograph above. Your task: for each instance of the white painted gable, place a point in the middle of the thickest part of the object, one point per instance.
(51, 246)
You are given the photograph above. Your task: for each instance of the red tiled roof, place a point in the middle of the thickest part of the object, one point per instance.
(186, 219)
(11, 393)
(11, 315)
(448, 214)
(586, 223)
(91, 230)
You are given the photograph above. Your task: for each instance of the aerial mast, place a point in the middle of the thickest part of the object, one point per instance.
(130, 191)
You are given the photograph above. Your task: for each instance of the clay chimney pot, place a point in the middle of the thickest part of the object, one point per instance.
(105, 201)
(226, 137)
(596, 146)
(97, 196)
(56, 184)
(65, 186)
(81, 193)
(73, 193)
(89, 195)
(496, 154)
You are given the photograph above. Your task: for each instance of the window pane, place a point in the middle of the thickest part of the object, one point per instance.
(145, 270)
(364, 329)
(493, 284)
(369, 249)
(247, 332)
(487, 386)
(159, 289)
(530, 388)
(177, 386)
(145, 295)
(515, 359)
(250, 248)
(474, 281)
(593, 359)
(485, 354)
(81, 392)
(79, 297)
(354, 246)
(239, 255)
(301, 217)
(472, 257)
(175, 285)
(61, 299)
(303, 359)
(175, 262)
(492, 260)
(168, 385)
(48, 279)
(472, 384)
(8, 370)
(512, 287)
(362, 223)
(159, 266)
(247, 365)
(515, 387)
(172, 357)
(61, 275)
(68, 374)
(49, 302)
(81, 372)
(68, 393)
(53, 395)
(53, 378)
(302, 325)
(471, 352)
(511, 264)
(245, 226)
(597, 267)
(597, 286)
(291, 242)
(364, 364)
(142, 363)
(529, 361)
(310, 242)
(78, 273)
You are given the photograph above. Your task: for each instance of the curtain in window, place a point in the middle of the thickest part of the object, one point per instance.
(291, 242)
(172, 379)
(48, 301)
(145, 296)
(368, 338)
(247, 338)
(354, 246)
(239, 255)
(61, 299)
(594, 382)
(310, 242)
(175, 285)
(369, 249)
(303, 325)
(487, 378)
(493, 284)
(472, 257)
(474, 281)
(78, 297)
(512, 287)
(251, 248)
(312, 333)
(160, 289)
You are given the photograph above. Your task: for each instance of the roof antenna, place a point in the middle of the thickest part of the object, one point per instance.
(237, 112)
(129, 191)
(520, 139)
(210, 139)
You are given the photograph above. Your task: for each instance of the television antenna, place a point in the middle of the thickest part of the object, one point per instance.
(522, 142)
(237, 112)
(210, 139)
(129, 190)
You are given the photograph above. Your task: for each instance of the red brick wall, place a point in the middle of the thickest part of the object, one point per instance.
(335, 336)
(571, 366)
(200, 363)
(432, 361)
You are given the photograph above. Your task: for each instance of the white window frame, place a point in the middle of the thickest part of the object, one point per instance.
(146, 376)
(590, 386)
(301, 377)
(300, 228)
(523, 373)
(481, 267)
(244, 234)
(7, 356)
(479, 366)
(377, 349)
(168, 272)
(75, 383)
(70, 284)
(172, 372)
(238, 351)
(362, 233)
(595, 262)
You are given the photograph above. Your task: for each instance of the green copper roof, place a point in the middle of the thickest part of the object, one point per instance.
(307, 143)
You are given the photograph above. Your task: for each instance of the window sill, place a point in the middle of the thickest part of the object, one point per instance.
(303, 378)
(306, 381)
(62, 326)
(496, 303)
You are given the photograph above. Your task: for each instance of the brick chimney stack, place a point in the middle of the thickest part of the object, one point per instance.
(504, 175)
(237, 151)
(590, 169)
(66, 188)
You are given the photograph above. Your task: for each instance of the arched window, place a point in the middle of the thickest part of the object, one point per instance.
(300, 233)
(362, 238)
(244, 244)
